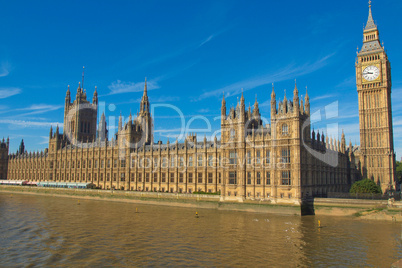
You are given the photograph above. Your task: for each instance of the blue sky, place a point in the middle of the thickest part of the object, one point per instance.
(190, 52)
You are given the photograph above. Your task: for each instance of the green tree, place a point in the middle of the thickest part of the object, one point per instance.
(399, 171)
(365, 186)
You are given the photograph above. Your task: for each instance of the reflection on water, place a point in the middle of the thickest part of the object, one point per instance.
(44, 231)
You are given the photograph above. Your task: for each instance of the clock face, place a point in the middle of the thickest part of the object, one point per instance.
(371, 73)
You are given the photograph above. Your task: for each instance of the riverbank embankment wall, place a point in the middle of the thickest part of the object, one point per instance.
(364, 209)
(157, 198)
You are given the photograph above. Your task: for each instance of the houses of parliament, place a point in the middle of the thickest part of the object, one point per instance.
(281, 162)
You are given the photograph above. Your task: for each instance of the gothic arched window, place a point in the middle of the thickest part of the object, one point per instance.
(232, 134)
(285, 129)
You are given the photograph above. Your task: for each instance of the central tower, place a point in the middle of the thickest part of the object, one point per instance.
(373, 79)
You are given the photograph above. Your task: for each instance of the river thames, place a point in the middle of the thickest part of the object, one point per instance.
(55, 231)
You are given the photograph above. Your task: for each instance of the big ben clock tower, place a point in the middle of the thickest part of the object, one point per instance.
(373, 79)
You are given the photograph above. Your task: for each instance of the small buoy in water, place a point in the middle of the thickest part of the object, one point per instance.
(196, 214)
(78, 202)
(136, 210)
(319, 224)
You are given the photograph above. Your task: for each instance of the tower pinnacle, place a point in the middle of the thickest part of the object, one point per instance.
(145, 88)
(370, 21)
(295, 91)
(83, 69)
(144, 105)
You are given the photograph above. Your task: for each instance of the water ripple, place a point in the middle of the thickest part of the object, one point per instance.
(40, 231)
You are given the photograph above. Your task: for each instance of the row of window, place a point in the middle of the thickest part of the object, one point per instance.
(146, 162)
(102, 165)
(285, 178)
(259, 195)
(370, 58)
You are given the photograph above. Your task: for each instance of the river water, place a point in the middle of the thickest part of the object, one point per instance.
(54, 231)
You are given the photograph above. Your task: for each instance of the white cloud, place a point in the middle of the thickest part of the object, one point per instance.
(119, 87)
(206, 40)
(8, 92)
(160, 99)
(28, 124)
(323, 97)
(204, 110)
(36, 107)
(4, 69)
(45, 140)
(284, 74)
(39, 109)
(168, 130)
(348, 82)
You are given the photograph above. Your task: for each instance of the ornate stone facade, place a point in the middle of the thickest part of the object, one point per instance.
(283, 161)
(275, 162)
(373, 79)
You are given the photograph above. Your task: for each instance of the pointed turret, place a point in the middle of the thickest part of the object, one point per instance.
(242, 100)
(242, 107)
(95, 97)
(350, 148)
(307, 103)
(145, 116)
(51, 132)
(322, 137)
(145, 89)
(343, 143)
(273, 102)
(79, 93)
(144, 105)
(120, 123)
(68, 95)
(273, 95)
(223, 107)
(285, 100)
(313, 135)
(296, 99)
(256, 111)
(295, 91)
(22, 147)
(102, 131)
